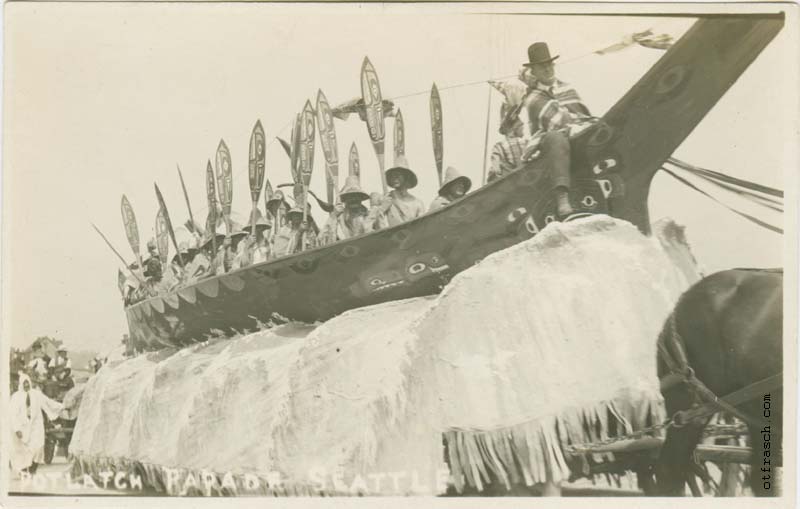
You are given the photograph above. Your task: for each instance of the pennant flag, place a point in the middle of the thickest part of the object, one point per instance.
(162, 237)
(343, 111)
(647, 39)
(436, 130)
(224, 178)
(399, 142)
(354, 165)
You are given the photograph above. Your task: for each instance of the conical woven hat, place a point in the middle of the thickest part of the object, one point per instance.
(451, 175)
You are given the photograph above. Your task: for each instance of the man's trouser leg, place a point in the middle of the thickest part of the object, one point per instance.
(556, 157)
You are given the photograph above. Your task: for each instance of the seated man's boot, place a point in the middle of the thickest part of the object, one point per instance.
(563, 207)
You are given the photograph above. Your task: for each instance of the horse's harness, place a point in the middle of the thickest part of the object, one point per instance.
(672, 351)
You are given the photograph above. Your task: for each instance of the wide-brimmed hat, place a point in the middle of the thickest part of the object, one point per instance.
(451, 176)
(352, 188)
(539, 53)
(275, 201)
(401, 166)
(207, 239)
(261, 223)
(185, 250)
(294, 210)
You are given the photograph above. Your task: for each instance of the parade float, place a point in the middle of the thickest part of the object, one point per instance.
(463, 351)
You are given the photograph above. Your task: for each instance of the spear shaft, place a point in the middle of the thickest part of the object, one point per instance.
(124, 263)
(186, 195)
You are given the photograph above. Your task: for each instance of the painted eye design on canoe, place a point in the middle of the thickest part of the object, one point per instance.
(377, 282)
(417, 268)
(589, 201)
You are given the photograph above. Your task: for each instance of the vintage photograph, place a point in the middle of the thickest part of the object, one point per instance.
(379, 250)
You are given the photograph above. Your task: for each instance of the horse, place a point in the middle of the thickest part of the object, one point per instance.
(728, 328)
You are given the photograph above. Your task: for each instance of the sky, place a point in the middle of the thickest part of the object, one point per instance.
(102, 99)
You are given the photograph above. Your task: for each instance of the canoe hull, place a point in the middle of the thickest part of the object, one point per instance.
(409, 260)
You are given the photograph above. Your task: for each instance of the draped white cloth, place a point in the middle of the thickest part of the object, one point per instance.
(27, 424)
(507, 364)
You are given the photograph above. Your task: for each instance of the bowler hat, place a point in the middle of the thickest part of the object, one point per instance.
(538, 53)
(401, 166)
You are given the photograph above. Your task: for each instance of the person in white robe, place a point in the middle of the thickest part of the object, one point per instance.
(27, 425)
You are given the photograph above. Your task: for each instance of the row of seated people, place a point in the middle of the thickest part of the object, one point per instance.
(289, 231)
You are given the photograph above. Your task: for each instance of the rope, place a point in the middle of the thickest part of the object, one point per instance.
(750, 218)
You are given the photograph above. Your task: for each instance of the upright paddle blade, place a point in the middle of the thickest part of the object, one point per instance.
(399, 142)
(224, 180)
(373, 102)
(165, 212)
(436, 130)
(256, 162)
(307, 132)
(354, 165)
(162, 237)
(131, 228)
(211, 218)
(327, 137)
(295, 154)
(256, 168)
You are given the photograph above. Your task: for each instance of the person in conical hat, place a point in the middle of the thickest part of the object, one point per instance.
(277, 206)
(296, 235)
(551, 109)
(399, 205)
(454, 187)
(349, 216)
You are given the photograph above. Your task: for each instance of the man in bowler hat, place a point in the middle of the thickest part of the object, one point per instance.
(549, 109)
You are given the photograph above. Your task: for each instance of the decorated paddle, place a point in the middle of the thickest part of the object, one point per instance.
(224, 181)
(162, 237)
(211, 195)
(354, 166)
(256, 168)
(165, 212)
(294, 156)
(131, 229)
(436, 130)
(399, 141)
(373, 102)
(186, 196)
(327, 138)
(306, 156)
(124, 263)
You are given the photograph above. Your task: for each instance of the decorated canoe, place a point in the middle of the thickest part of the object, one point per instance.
(613, 163)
